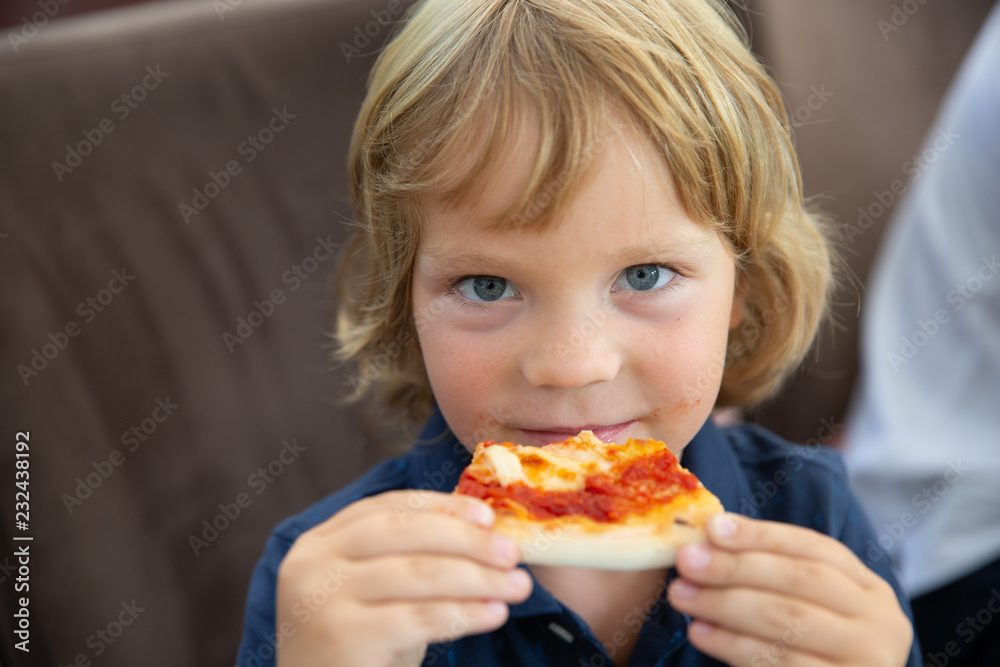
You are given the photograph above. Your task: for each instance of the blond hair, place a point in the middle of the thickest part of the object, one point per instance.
(457, 76)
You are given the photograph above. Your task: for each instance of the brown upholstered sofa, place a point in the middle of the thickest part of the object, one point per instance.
(170, 270)
(172, 200)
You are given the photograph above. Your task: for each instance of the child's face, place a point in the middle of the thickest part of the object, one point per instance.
(614, 319)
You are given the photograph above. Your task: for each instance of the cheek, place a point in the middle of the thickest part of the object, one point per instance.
(690, 346)
(684, 369)
(454, 362)
(463, 377)
(689, 369)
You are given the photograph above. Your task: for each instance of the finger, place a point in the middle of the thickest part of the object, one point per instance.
(741, 651)
(766, 616)
(404, 504)
(808, 580)
(733, 532)
(415, 577)
(380, 534)
(411, 624)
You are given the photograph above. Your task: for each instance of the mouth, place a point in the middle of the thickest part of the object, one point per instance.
(539, 438)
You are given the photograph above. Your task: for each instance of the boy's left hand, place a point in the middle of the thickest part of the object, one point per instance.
(766, 593)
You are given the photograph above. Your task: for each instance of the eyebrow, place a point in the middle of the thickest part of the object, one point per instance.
(687, 250)
(442, 258)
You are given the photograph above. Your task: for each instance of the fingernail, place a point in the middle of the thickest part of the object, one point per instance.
(504, 548)
(495, 609)
(700, 628)
(697, 556)
(682, 589)
(483, 515)
(519, 579)
(722, 525)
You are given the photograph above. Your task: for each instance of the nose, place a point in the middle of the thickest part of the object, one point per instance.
(567, 351)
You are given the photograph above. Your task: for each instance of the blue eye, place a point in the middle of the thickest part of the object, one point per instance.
(644, 277)
(485, 288)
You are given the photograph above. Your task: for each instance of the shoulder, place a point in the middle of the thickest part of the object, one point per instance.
(759, 448)
(801, 484)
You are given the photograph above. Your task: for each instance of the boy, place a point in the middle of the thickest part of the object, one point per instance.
(576, 215)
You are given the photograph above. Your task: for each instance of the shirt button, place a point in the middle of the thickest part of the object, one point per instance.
(561, 632)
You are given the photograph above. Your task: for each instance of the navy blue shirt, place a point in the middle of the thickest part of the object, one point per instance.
(751, 470)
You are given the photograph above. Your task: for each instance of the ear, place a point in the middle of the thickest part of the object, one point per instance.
(739, 285)
(736, 315)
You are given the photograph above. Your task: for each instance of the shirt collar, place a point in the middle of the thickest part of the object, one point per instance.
(439, 458)
(712, 459)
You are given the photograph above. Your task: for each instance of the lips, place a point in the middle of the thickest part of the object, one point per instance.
(606, 433)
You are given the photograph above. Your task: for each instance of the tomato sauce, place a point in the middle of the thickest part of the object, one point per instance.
(605, 497)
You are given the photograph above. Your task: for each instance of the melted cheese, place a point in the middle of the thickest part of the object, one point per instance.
(556, 467)
(504, 464)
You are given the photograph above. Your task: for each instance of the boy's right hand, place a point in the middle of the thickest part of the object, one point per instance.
(390, 574)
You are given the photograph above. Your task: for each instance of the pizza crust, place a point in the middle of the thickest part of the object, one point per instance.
(646, 542)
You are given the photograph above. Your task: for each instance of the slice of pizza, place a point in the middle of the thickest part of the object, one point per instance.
(586, 503)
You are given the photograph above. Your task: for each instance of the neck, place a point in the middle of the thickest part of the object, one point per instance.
(614, 604)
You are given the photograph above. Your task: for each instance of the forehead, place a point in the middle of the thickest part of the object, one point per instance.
(628, 197)
(524, 142)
